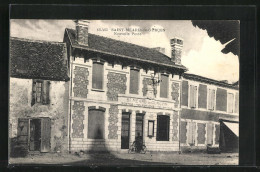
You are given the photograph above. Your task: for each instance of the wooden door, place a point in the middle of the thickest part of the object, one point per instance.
(45, 134)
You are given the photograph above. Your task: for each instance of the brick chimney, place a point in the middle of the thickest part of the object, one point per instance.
(82, 32)
(160, 49)
(176, 46)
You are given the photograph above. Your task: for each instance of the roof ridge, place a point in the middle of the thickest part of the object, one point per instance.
(207, 78)
(123, 42)
(39, 41)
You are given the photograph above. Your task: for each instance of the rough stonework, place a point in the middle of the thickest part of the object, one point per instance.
(116, 85)
(175, 93)
(146, 82)
(113, 120)
(201, 133)
(176, 55)
(80, 81)
(217, 132)
(78, 117)
(175, 126)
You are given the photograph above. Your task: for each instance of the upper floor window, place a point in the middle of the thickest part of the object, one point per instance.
(134, 81)
(40, 92)
(211, 99)
(164, 86)
(193, 96)
(230, 99)
(97, 75)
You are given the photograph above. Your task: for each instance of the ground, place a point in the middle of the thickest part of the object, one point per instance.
(125, 159)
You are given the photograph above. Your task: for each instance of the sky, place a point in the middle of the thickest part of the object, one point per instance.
(201, 54)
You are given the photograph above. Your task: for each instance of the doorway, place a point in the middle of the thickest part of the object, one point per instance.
(125, 131)
(35, 135)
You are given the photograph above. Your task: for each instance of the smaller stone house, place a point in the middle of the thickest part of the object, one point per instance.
(38, 99)
(208, 106)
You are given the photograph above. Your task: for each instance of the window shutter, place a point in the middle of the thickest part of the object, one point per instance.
(33, 93)
(213, 100)
(45, 92)
(195, 96)
(210, 133)
(45, 134)
(191, 96)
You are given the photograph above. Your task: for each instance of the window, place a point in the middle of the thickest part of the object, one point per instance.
(211, 99)
(96, 124)
(164, 86)
(97, 75)
(150, 128)
(210, 133)
(134, 81)
(230, 102)
(40, 92)
(193, 96)
(163, 123)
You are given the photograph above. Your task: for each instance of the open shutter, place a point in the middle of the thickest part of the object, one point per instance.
(33, 92)
(158, 128)
(45, 134)
(191, 96)
(45, 92)
(23, 133)
(209, 133)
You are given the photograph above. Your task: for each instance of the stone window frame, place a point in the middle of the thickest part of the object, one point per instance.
(87, 126)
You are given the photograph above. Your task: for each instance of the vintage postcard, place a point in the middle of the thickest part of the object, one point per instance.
(124, 92)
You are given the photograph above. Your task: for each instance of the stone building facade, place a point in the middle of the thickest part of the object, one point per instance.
(205, 104)
(120, 91)
(38, 99)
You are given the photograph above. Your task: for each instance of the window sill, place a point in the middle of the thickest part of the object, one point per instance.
(97, 90)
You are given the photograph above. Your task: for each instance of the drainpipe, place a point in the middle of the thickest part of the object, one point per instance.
(180, 115)
(70, 104)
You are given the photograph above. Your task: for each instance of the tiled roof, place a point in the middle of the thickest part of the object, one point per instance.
(38, 59)
(123, 49)
(209, 80)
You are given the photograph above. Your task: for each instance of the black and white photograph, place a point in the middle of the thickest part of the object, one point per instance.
(124, 92)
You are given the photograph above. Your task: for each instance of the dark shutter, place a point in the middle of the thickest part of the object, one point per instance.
(97, 76)
(22, 132)
(33, 92)
(221, 100)
(202, 96)
(45, 92)
(95, 124)
(164, 86)
(183, 132)
(217, 133)
(45, 134)
(134, 81)
(185, 93)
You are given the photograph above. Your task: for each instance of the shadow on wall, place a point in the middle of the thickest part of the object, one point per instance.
(100, 155)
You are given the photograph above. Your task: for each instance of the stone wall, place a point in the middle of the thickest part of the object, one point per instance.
(56, 110)
(116, 85)
(78, 117)
(113, 122)
(80, 81)
(175, 93)
(175, 131)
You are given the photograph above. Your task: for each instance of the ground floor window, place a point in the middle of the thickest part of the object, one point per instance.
(96, 124)
(163, 125)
